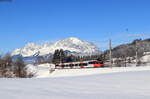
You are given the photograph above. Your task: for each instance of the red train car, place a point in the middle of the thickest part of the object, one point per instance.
(81, 64)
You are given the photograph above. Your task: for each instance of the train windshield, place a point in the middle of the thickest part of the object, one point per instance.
(93, 62)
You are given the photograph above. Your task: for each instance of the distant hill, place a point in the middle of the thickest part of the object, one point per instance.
(129, 50)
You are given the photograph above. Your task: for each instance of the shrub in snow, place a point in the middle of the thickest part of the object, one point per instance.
(21, 70)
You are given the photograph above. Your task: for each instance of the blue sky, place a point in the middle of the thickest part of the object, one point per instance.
(23, 21)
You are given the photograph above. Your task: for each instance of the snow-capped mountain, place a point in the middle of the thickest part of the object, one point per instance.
(73, 45)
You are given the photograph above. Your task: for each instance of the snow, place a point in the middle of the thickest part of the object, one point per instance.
(71, 44)
(43, 70)
(121, 85)
(32, 69)
(92, 71)
(145, 58)
(93, 83)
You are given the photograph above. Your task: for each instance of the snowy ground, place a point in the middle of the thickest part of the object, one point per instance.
(121, 85)
(96, 83)
(43, 71)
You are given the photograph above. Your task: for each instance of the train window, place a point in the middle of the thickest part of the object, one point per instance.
(90, 62)
(67, 65)
(83, 64)
(63, 65)
(71, 64)
(76, 64)
(57, 65)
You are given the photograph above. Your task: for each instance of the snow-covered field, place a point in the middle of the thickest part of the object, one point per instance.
(43, 71)
(97, 83)
(121, 85)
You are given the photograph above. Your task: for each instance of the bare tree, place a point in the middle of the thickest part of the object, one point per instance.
(20, 69)
(6, 66)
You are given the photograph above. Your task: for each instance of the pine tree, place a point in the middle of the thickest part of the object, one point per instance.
(56, 57)
(62, 56)
(59, 56)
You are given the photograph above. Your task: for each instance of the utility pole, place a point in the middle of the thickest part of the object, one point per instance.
(110, 53)
(136, 53)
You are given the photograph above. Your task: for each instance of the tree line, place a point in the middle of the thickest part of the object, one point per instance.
(13, 68)
(61, 57)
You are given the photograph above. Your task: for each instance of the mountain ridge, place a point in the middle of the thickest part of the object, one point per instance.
(72, 44)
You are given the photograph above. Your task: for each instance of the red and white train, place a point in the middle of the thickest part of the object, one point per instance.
(81, 64)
